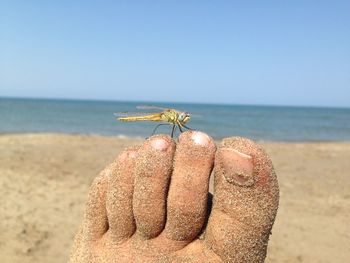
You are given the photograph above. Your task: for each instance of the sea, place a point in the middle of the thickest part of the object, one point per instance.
(262, 123)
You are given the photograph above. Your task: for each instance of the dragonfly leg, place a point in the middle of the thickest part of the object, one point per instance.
(154, 130)
(184, 126)
(180, 129)
(173, 131)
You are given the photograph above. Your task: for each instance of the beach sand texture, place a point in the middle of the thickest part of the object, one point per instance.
(44, 180)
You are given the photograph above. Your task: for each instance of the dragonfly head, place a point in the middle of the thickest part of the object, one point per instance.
(184, 117)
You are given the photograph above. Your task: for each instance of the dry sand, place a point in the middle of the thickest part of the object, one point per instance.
(44, 179)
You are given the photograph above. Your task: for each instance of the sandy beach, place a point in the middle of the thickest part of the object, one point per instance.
(44, 180)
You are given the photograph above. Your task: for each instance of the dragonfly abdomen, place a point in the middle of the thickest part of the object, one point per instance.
(152, 117)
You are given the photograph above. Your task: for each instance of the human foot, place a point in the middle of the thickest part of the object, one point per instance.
(151, 204)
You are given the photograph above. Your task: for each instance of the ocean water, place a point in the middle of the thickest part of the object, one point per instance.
(268, 123)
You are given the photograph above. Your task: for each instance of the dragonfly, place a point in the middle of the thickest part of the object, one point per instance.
(166, 116)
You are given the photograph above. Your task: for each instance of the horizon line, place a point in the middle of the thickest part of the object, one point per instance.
(175, 102)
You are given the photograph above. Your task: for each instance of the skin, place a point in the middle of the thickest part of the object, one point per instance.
(152, 203)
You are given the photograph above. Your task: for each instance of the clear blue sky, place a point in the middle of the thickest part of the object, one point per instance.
(245, 52)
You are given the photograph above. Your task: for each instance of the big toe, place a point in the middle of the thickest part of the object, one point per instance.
(245, 202)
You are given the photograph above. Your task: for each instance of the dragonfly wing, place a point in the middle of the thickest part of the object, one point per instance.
(119, 114)
(131, 114)
(150, 107)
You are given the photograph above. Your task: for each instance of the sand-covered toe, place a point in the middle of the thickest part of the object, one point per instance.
(153, 170)
(119, 197)
(245, 202)
(187, 198)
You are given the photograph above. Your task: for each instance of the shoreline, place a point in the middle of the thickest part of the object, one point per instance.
(123, 136)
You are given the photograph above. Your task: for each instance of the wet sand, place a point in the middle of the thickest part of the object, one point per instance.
(44, 179)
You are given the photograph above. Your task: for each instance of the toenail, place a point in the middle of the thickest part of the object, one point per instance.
(238, 167)
(159, 144)
(200, 138)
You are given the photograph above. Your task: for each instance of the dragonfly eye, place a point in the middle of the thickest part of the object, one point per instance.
(184, 117)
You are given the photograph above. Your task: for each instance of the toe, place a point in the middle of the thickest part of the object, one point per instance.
(119, 196)
(187, 198)
(153, 170)
(95, 223)
(245, 202)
